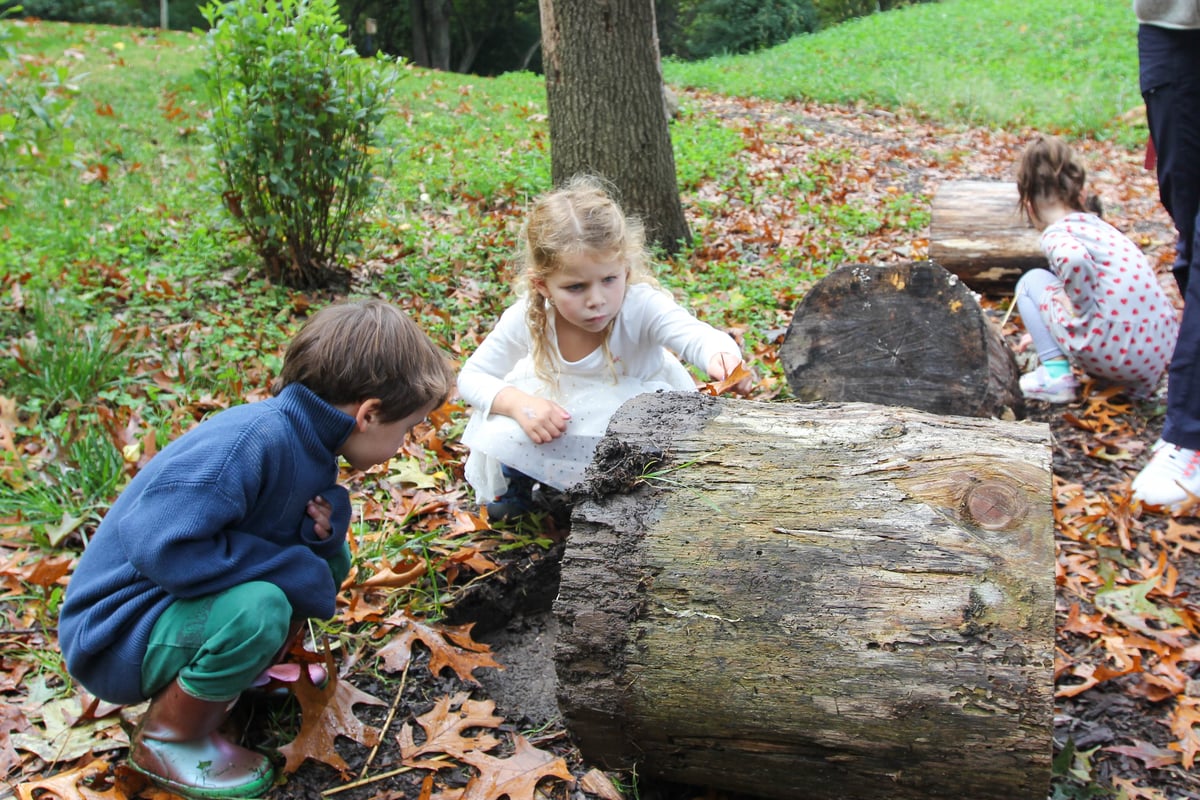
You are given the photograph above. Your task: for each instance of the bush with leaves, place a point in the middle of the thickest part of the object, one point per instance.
(295, 124)
(35, 108)
(104, 12)
(699, 29)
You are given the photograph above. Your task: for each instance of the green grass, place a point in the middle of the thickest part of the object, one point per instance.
(1066, 66)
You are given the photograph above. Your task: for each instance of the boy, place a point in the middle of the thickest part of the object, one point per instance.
(235, 533)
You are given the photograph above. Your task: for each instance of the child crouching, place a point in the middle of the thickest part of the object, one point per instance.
(233, 535)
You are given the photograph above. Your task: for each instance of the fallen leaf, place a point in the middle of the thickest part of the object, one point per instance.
(1149, 754)
(396, 654)
(516, 777)
(327, 713)
(445, 727)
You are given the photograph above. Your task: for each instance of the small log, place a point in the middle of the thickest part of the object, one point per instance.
(904, 334)
(842, 601)
(976, 232)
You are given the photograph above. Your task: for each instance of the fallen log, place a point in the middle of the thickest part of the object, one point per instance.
(977, 233)
(904, 334)
(828, 601)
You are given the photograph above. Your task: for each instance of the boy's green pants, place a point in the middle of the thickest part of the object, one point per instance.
(217, 645)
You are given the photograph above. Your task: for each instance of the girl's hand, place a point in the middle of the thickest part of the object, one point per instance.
(542, 420)
(722, 365)
(321, 512)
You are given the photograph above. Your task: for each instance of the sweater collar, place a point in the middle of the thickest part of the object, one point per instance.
(318, 422)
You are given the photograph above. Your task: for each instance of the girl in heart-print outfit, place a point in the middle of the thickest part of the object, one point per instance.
(1100, 305)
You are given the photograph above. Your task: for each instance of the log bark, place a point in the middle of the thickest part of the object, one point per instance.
(905, 334)
(822, 601)
(977, 233)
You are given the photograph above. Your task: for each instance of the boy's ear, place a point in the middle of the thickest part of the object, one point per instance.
(367, 413)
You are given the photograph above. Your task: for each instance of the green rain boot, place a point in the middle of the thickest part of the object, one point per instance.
(177, 746)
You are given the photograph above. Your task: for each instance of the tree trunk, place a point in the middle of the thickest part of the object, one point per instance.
(419, 44)
(839, 602)
(977, 232)
(906, 334)
(604, 97)
(437, 20)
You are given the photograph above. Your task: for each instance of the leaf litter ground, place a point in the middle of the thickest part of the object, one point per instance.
(430, 719)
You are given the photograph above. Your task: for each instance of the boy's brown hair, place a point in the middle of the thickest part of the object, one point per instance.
(354, 351)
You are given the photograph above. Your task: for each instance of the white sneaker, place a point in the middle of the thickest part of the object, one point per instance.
(1037, 385)
(1170, 478)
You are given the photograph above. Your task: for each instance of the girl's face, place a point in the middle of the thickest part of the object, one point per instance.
(587, 290)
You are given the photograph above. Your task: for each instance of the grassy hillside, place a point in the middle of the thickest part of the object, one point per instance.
(1057, 65)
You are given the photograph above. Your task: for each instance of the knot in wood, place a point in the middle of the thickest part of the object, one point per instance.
(993, 505)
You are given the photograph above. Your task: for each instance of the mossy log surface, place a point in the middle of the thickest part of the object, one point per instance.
(813, 600)
(976, 231)
(908, 334)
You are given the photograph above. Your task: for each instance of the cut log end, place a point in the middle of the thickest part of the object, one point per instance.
(907, 334)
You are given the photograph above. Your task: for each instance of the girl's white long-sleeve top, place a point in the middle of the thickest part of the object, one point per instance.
(649, 321)
(649, 328)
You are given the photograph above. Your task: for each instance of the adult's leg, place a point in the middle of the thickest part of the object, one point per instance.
(1169, 66)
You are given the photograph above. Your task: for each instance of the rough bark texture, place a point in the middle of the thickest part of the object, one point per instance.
(976, 232)
(904, 334)
(821, 601)
(605, 103)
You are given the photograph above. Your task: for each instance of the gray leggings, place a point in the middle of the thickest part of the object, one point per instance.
(1030, 290)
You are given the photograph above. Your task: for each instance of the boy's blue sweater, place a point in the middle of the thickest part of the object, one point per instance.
(222, 505)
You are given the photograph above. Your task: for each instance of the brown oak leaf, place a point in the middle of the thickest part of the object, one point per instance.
(396, 654)
(1148, 753)
(516, 777)
(445, 725)
(327, 713)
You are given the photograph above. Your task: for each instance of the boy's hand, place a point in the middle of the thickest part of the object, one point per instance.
(321, 512)
(542, 420)
(724, 365)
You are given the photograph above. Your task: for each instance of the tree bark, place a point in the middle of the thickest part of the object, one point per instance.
(977, 233)
(905, 334)
(841, 601)
(419, 44)
(437, 20)
(604, 97)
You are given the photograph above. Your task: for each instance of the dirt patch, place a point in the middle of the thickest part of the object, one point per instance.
(525, 691)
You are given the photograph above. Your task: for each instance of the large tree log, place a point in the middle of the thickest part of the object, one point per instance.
(977, 232)
(904, 334)
(833, 601)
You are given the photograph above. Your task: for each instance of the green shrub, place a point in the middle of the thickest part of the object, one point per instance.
(705, 28)
(104, 12)
(295, 122)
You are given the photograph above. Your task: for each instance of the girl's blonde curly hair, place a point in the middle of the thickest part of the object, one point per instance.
(580, 216)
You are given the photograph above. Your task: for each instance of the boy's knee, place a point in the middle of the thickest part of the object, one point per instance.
(259, 611)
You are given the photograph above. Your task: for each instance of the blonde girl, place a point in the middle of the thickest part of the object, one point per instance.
(1100, 304)
(590, 328)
